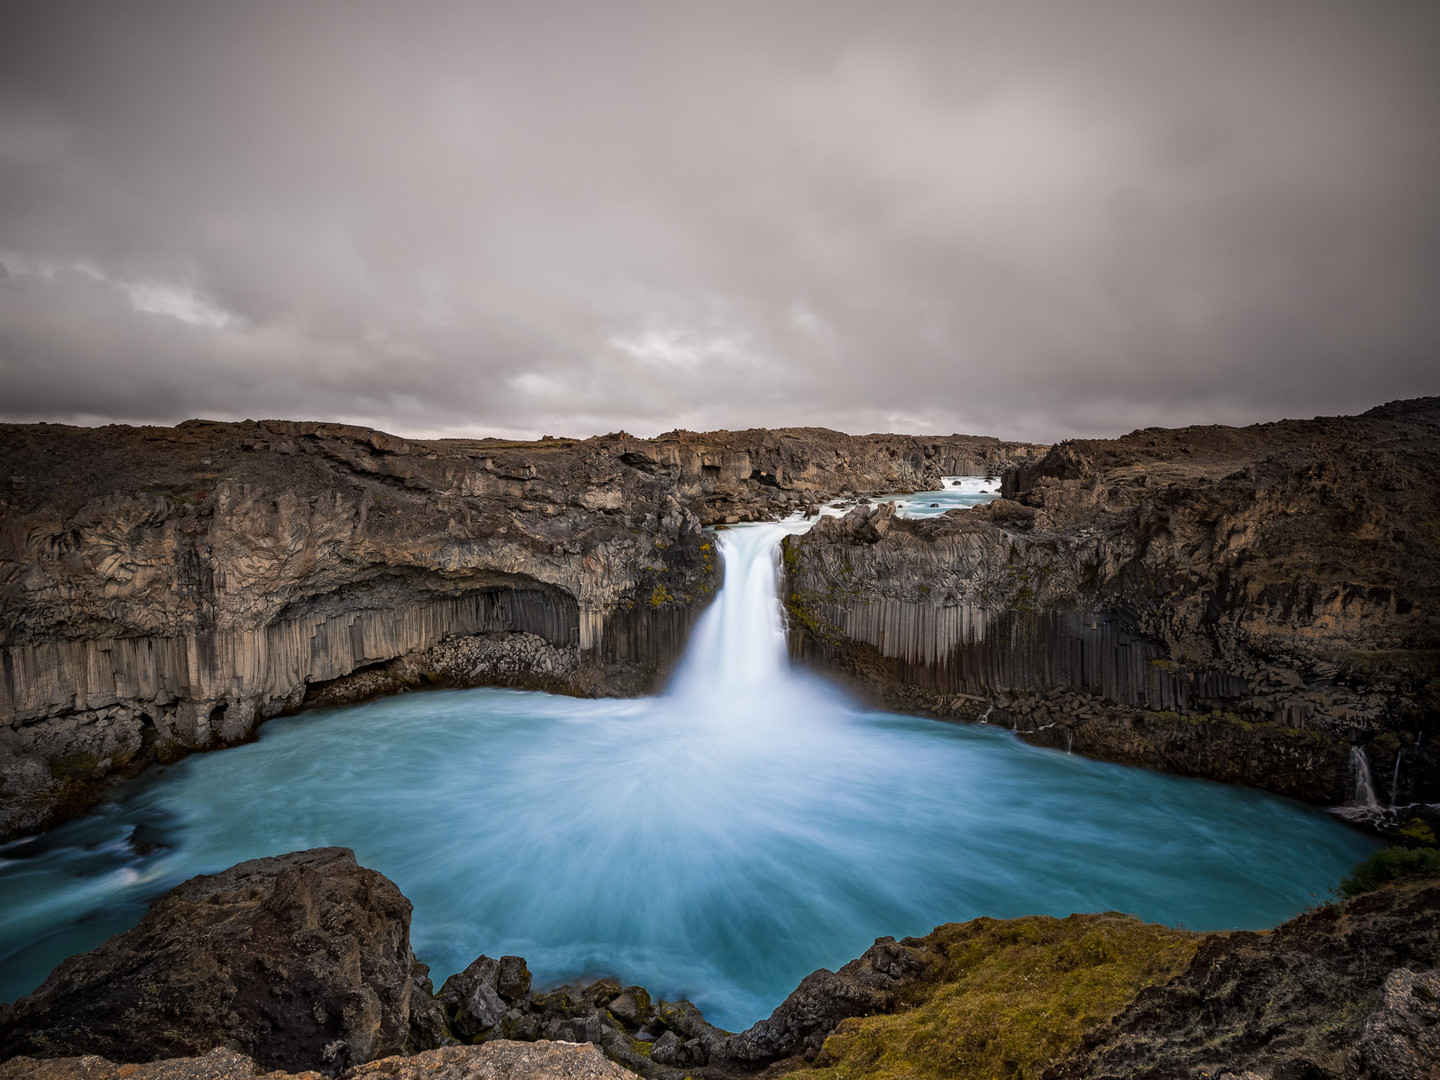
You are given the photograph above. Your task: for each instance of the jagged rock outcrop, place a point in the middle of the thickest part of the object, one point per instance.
(865, 986)
(299, 961)
(1244, 604)
(165, 589)
(1330, 994)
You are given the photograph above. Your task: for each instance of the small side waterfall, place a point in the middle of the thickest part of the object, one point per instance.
(1364, 795)
(1395, 779)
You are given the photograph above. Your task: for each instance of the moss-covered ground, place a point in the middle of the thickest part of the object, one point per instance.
(1006, 998)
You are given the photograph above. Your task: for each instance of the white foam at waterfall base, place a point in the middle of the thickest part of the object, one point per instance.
(719, 842)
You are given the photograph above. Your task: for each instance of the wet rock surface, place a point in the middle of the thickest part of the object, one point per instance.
(166, 589)
(300, 961)
(1243, 604)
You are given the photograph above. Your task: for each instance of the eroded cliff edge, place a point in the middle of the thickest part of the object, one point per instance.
(1244, 604)
(166, 589)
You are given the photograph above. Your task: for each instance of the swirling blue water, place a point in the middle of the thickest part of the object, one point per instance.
(719, 842)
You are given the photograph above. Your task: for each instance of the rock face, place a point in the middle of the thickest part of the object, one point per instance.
(1331, 994)
(301, 961)
(166, 589)
(1244, 604)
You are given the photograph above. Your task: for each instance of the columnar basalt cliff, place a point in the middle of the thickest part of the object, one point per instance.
(165, 589)
(1244, 604)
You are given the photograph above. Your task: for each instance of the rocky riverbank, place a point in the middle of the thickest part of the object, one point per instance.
(1252, 605)
(302, 964)
(166, 589)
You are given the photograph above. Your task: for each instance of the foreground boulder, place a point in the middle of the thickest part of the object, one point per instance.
(493, 1061)
(300, 961)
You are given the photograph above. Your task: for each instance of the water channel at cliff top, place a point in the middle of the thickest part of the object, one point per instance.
(719, 842)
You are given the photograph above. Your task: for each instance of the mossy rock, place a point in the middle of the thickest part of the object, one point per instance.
(1009, 999)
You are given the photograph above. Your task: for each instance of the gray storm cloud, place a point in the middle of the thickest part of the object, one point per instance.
(1025, 219)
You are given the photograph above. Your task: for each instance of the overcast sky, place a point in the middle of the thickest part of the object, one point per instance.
(1029, 220)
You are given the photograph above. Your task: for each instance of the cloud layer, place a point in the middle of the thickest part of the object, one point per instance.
(1018, 218)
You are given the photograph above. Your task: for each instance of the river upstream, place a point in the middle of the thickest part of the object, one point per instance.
(718, 842)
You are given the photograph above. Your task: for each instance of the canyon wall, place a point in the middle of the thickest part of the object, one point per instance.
(1249, 605)
(166, 589)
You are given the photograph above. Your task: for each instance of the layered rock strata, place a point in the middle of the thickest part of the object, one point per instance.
(165, 589)
(1251, 605)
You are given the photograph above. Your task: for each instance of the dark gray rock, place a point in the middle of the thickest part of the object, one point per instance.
(804, 1020)
(428, 1023)
(513, 979)
(471, 1001)
(632, 1006)
(300, 961)
(668, 1050)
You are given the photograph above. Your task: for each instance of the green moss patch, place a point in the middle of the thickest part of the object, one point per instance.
(1007, 998)
(1389, 865)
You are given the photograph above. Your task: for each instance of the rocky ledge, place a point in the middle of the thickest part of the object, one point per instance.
(302, 964)
(166, 589)
(1256, 605)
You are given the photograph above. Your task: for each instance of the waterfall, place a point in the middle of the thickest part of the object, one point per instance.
(739, 643)
(1395, 778)
(1364, 785)
(736, 670)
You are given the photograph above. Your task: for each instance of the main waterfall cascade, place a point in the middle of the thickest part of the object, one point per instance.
(720, 841)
